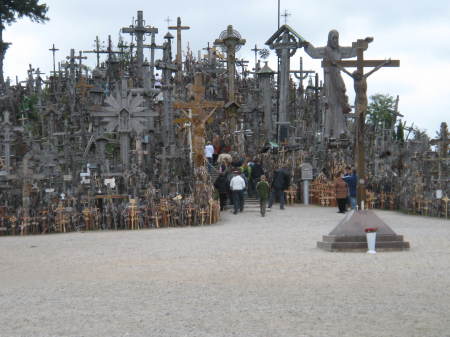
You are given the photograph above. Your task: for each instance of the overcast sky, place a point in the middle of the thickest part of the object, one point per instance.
(415, 32)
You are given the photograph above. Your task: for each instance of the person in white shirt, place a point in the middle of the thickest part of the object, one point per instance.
(209, 152)
(237, 186)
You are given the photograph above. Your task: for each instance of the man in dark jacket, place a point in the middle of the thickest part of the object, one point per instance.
(351, 179)
(280, 182)
(257, 172)
(222, 186)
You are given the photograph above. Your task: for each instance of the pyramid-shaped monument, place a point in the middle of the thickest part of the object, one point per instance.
(349, 234)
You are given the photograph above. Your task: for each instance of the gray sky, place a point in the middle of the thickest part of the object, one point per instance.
(416, 32)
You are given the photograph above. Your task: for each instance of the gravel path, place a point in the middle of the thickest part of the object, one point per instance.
(246, 276)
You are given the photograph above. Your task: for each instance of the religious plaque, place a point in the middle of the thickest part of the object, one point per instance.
(307, 171)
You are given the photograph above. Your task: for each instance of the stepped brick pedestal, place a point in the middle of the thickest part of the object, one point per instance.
(349, 234)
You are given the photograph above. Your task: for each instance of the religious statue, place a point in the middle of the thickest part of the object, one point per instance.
(334, 87)
(198, 117)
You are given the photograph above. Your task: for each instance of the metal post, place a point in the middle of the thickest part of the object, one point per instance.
(306, 192)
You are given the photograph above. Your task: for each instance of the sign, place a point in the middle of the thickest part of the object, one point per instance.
(307, 171)
(67, 177)
(111, 183)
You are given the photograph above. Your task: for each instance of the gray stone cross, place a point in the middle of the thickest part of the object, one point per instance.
(139, 29)
(125, 115)
(179, 28)
(231, 40)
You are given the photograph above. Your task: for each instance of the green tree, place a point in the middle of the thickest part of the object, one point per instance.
(10, 11)
(381, 112)
(400, 134)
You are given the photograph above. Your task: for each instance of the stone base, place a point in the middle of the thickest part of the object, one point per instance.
(349, 235)
(341, 244)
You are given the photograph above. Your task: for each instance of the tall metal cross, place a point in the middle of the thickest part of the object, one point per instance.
(54, 50)
(360, 86)
(179, 28)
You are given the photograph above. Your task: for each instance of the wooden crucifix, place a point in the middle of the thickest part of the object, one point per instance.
(179, 28)
(360, 86)
(200, 112)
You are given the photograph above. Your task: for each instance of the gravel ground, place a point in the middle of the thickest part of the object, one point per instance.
(245, 276)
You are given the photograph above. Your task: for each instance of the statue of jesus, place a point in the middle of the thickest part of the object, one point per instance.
(334, 87)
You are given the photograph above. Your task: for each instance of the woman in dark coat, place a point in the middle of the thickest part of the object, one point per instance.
(341, 192)
(222, 185)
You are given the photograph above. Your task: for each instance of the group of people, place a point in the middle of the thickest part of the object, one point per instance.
(233, 183)
(345, 187)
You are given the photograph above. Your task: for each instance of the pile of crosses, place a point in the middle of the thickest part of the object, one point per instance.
(122, 146)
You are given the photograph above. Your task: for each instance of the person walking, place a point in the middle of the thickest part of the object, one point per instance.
(221, 184)
(257, 172)
(280, 182)
(351, 179)
(209, 152)
(341, 190)
(262, 190)
(237, 186)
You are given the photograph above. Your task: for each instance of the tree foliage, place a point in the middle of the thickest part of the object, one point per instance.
(381, 112)
(11, 10)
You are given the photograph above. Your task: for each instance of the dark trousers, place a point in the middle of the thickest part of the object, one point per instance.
(223, 200)
(262, 206)
(342, 204)
(238, 200)
(251, 188)
(210, 163)
(280, 194)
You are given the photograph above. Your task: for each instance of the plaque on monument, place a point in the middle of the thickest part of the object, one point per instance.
(307, 171)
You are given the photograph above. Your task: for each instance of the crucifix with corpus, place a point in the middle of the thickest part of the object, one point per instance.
(360, 86)
(198, 113)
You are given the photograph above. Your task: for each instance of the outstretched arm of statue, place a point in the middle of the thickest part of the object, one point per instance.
(315, 53)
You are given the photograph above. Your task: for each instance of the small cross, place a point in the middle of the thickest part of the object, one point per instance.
(168, 20)
(285, 15)
(256, 50)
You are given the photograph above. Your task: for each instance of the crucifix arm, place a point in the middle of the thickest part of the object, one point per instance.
(342, 68)
(185, 113)
(377, 68)
(313, 52)
(210, 114)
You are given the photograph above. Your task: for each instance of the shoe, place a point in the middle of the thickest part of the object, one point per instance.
(234, 212)
(281, 207)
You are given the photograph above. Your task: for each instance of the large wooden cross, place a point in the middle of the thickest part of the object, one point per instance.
(360, 86)
(200, 112)
(179, 28)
